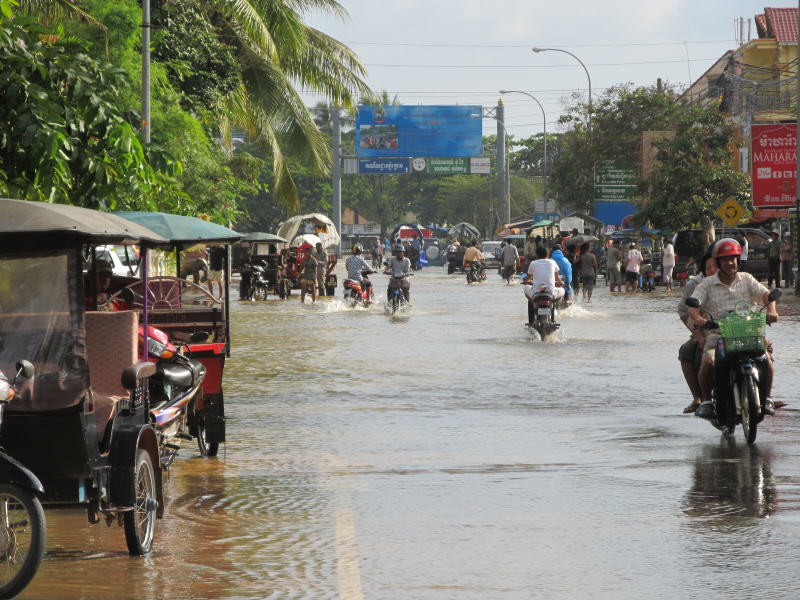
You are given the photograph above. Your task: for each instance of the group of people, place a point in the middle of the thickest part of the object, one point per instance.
(398, 266)
(314, 267)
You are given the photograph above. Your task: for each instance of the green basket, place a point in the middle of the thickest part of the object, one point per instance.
(744, 334)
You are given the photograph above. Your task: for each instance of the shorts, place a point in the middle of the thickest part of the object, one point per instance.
(311, 282)
(688, 351)
(558, 293)
(588, 281)
(215, 276)
(614, 276)
(631, 276)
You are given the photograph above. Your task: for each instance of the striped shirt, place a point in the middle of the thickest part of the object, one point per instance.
(716, 298)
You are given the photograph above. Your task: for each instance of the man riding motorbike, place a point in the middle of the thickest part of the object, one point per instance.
(399, 265)
(473, 254)
(542, 273)
(718, 295)
(356, 265)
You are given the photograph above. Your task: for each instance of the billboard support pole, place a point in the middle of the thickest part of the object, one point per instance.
(337, 176)
(502, 195)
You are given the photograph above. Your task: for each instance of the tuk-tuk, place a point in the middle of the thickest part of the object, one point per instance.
(311, 229)
(83, 424)
(463, 233)
(182, 308)
(262, 267)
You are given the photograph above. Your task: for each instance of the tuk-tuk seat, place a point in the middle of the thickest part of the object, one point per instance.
(111, 347)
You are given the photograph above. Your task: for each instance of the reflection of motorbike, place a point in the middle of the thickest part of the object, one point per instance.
(730, 479)
(476, 271)
(395, 298)
(740, 355)
(22, 526)
(542, 313)
(173, 388)
(355, 293)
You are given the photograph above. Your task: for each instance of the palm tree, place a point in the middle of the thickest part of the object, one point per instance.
(278, 55)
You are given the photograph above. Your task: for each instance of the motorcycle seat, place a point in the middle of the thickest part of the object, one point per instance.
(180, 375)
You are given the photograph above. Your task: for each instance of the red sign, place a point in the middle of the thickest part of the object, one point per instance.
(774, 172)
(762, 214)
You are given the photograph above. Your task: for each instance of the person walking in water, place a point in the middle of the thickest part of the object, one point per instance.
(309, 275)
(668, 264)
(632, 262)
(510, 257)
(588, 264)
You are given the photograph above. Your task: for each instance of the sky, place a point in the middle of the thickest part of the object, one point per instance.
(465, 51)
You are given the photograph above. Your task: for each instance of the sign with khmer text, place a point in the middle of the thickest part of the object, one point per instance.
(774, 164)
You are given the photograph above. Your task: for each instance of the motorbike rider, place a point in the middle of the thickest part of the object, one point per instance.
(690, 351)
(473, 254)
(565, 269)
(356, 266)
(718, 295)
(399, 265)
(542, 273)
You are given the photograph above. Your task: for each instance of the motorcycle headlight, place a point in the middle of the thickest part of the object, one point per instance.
(158, 350)
(6, 391)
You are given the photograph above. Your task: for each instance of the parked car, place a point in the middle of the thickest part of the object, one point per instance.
(689, 243)
(490, 250)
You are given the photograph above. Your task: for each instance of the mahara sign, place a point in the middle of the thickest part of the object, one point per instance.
(774, 171)
(438, 131)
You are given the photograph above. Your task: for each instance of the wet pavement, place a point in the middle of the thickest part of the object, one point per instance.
(448, 453)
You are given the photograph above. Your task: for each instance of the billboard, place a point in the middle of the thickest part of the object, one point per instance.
(774, 169)
(438, 131)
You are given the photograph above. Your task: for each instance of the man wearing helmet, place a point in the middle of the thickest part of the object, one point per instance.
(399, 265)
(718, 295)
(356, 266)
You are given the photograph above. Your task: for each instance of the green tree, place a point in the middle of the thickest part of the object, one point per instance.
(697, 173)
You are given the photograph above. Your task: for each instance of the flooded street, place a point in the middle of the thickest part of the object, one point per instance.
(450, 454)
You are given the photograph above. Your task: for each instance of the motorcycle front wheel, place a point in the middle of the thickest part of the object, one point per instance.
(748, 397)
(23, 537)
(260, 292)
(140, 523)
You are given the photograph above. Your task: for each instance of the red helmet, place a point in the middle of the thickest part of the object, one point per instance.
(726, 247)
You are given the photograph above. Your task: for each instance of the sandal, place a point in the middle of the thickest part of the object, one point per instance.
(692, 407)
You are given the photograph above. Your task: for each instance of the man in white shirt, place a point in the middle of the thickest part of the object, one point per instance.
(632, 262)
(668, 264)
(543, 275)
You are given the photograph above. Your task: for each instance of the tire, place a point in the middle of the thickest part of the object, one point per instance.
(208, 449)
(470, 277)
(370, 297)
(140, 523)
(749, 399)
(451, 268)
(23, 536)
(260, 292)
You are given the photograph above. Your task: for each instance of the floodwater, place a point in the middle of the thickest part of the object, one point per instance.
(448, 453)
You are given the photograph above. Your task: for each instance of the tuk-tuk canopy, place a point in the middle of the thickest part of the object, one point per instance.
(465, 230)
(180, 230)
(27, 224)
(259, 236)
(323, 228)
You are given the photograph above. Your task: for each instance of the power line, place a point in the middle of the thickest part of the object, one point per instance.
(530, 66)
(502, 46)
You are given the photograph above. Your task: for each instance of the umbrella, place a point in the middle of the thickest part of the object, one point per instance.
(180, 230)
(584, 238)
(306, 238)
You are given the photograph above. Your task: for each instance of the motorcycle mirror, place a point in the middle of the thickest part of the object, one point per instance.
(774, 295)
(126, 295)
(198, 337)
(26, 369)
(694, 302)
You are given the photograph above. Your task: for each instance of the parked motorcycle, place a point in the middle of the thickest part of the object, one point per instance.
(740, 356)
(23, 533)
(395, 299)
(476, 271)
(175, 389)
(355, 293)
(542, 313)
(258, 281)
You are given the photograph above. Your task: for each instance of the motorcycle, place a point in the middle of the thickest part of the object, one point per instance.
(23, 533)
(739, 356)
(175, 389)
(476, 271)
(542, 313)
(258, 281)
(395, 298)
(355, 293)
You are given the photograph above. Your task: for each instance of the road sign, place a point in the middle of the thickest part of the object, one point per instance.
(731, 212)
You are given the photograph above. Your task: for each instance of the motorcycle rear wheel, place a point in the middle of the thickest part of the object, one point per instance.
(23, 538)
(748, 394)
(470, 277)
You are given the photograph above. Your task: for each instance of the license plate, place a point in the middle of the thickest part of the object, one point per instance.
(543, 312)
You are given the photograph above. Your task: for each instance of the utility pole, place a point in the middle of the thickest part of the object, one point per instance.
(503, 201)
(146, 71)
(337, 175)
(794, 226)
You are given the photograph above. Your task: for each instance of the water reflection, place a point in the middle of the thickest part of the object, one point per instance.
(732, 479)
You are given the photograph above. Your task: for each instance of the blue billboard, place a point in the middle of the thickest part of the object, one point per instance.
(419, 131)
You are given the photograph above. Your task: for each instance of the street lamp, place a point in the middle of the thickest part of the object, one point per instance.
(544, 119)
(506, 170)
(537, 50)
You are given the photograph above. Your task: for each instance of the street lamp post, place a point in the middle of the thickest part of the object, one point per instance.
(537, 50)
(503, 169)
(544, 121)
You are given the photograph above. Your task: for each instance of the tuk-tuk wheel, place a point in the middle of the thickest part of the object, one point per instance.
(22, 539)
(206, 448)
(140, 523)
